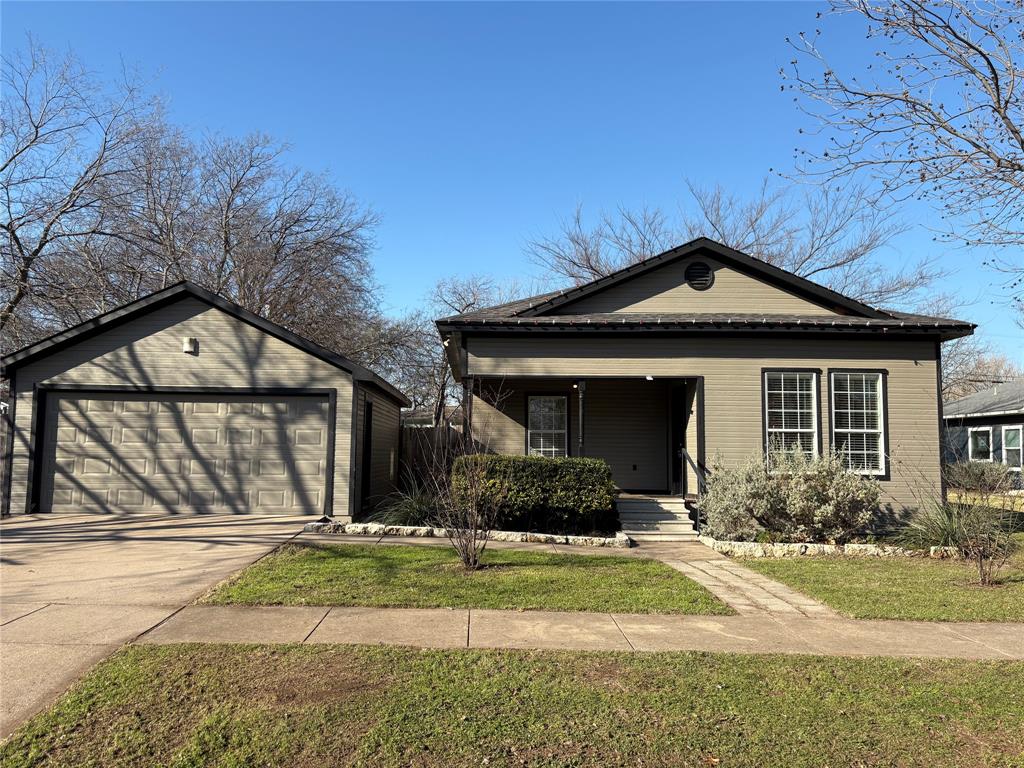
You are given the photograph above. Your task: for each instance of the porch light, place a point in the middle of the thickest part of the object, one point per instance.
(649, 378)
(190, 345)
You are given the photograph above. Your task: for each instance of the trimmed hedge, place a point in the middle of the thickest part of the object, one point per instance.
(534, 493)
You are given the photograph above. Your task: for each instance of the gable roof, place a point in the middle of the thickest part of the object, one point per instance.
(819, 294)
(1002, 399)
(542, 311)
(175, 293)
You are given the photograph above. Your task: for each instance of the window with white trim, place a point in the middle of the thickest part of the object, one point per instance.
(791, 412)
(1013, 443)
(858, 421)
(979, 443)
(547, 425)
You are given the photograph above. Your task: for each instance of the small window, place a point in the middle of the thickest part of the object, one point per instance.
(858, 421)
(547, 428)
(791, 412)
(979, 444)
(1012, 446)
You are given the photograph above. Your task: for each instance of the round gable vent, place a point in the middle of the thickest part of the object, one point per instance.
(700, 276)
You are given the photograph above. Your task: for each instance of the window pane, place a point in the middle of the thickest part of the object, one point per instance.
(1013, 457)
(546, 430)
(857, 420)
(981, 445)
(790, 420)
(1011, 438)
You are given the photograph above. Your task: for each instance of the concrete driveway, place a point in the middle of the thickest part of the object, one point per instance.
(73, 589)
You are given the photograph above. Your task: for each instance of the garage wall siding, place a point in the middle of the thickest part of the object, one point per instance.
(732, 371)
(148, 352)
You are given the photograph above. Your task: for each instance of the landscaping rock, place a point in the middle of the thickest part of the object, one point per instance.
(377, 529)
(785, 549)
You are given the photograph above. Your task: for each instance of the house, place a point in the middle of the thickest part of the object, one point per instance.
(699, 355)
(986, 426)
(425, 416)
(185, 402)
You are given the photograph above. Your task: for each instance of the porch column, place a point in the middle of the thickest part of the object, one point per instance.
(467, 412)
(581, 389)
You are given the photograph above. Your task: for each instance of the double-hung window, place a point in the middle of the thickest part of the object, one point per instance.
(791, 412)
(858, 420)
(1013, 438)
(979, 443)
(547, 429)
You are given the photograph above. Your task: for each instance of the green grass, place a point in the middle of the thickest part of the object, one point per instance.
(431, 577)
(917, 588)
(191, 705)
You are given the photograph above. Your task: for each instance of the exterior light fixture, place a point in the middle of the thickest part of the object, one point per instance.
(190, 345)
(649, 378)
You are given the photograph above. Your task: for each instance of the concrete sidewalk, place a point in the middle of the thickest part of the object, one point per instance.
(462, 628)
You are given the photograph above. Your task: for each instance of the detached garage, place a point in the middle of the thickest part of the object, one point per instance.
(183, 402)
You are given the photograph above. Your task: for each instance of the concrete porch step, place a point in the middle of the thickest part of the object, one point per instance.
(655, 518)
(656, 526)
(654, 537)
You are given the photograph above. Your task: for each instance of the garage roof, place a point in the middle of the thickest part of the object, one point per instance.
(177, 292)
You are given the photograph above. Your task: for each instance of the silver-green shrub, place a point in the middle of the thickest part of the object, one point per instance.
(789, 498)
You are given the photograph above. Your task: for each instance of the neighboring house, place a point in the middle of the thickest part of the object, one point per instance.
(704, 354)
(185, 402)
(987, 426)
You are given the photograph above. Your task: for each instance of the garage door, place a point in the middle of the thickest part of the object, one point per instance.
(185, 453)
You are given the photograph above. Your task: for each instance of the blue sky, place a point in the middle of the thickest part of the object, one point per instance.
(473, 127)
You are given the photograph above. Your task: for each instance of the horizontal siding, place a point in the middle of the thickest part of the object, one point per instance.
(384, 447)
(148, 351)
(664, 290)
(732, 371)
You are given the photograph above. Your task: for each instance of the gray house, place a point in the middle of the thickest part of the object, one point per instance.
(986, 426)
(185, 402)
(700, 355)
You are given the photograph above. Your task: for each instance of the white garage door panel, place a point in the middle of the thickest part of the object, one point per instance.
(147, 453)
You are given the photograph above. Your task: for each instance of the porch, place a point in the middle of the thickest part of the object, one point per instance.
(649, 429)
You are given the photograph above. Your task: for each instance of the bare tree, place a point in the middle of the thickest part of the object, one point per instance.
(970, 365)
(104, 201)
(829, 235)
(937, 114)
(63, 139)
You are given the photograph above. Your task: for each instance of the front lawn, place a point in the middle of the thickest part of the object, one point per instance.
(189, 705)
(431, 577)
(918, 588)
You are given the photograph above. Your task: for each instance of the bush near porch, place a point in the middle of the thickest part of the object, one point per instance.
(789, 498)
(550, 495)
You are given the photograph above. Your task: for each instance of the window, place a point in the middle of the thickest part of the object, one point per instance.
(547, 427)
(1012, 446)
(791, 412)
(979, 443)
(858, 421)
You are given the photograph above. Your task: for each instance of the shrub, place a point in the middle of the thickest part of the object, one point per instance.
(736, 498)
(978, 476)
(799, 500)
(534, 493)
